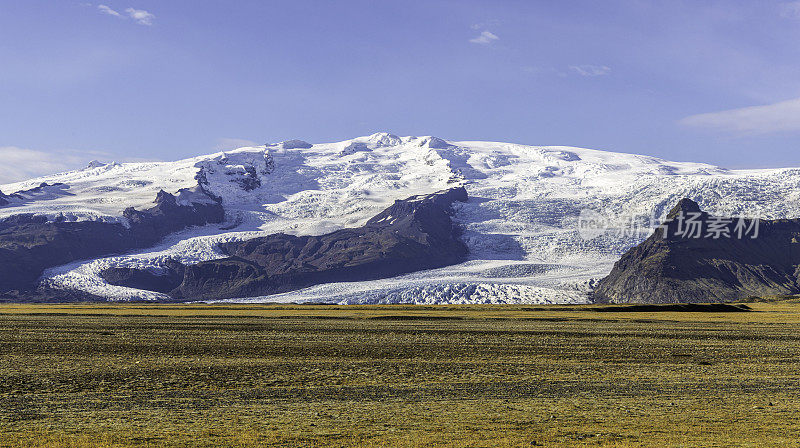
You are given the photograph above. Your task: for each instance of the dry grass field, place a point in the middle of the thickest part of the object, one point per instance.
(395, 376)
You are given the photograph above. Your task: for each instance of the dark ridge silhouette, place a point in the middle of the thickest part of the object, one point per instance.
(747, 258)
(679, 307)
(30, 244)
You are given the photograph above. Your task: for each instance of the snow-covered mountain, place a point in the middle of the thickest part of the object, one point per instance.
(520, 224)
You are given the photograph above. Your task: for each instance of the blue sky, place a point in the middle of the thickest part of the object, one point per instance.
(710, 81)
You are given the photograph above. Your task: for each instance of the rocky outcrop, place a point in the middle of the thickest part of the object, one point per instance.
(697, 257)
(162, 280)
(30, 244)
(148, 226)
(411, 235)
(245, 172)
(435, 143)
(295, 144)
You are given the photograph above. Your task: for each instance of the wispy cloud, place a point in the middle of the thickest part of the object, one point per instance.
(141, 16)
(767, 119)
(106, 10)
(22, 163)
(790, 10)
(485, 38)
(590, 70)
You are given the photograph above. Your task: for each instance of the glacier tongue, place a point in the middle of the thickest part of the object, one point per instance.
(523, 213)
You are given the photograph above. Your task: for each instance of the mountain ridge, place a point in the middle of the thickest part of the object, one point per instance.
(520, 224)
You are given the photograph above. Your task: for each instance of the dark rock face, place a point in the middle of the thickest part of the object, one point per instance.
(413, 234)
(3, 199)
(246, 176)
(148, 226)
(164, 280)
(31, 244)
(746, 258)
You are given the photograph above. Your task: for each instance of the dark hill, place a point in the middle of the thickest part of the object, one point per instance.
(411, 235)
(727, 259)
(30, 244)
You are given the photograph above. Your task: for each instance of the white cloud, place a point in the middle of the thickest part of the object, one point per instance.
(140, 16)
(771, 118)
(485, 38)
(590, 70)
(226, 144)
(21, 163)
(790, 10)
(106, 10)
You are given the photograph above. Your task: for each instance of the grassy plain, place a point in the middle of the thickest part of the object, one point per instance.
(397, 376)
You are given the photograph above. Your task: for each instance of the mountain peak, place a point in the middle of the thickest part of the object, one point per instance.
(435, 143)
(684, 206)
(383, 139)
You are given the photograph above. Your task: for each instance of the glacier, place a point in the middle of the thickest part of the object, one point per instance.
(521, 223)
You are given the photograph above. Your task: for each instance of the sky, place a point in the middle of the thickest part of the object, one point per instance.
(127, 80)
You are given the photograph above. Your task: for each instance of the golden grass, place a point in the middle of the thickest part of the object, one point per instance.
(82, 375)
(784, 311)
